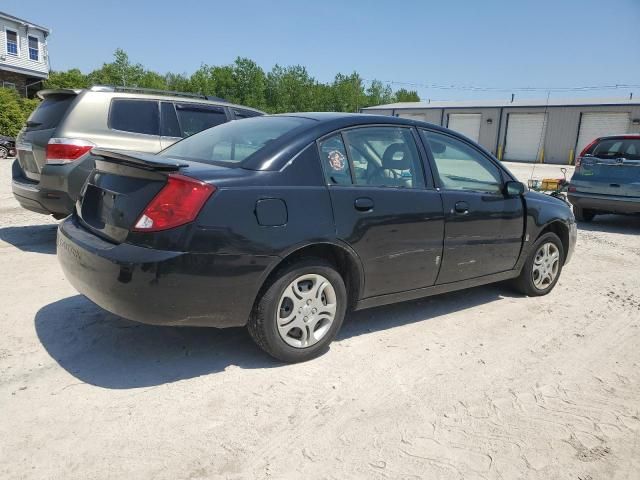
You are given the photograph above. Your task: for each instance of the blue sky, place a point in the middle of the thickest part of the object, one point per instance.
(487, 43)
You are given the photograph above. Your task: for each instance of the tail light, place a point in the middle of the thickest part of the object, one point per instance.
(64, 150)
(179, 202)
(584, 151)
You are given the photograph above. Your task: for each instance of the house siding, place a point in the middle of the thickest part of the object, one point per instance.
(21, 63)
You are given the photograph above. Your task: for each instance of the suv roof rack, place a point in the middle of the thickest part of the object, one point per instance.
(114, 88)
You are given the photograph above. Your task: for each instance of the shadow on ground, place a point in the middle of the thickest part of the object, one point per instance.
(626, 224)
(104, 350)
(31, 238)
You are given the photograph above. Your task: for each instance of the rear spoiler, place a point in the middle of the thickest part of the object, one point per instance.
(58, 91)
(146, 161)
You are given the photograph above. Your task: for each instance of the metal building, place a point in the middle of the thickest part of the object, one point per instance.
(527, 130)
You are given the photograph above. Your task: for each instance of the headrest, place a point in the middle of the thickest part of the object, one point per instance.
(396, 157)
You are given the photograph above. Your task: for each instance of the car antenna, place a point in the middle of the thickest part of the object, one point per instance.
(541, 141)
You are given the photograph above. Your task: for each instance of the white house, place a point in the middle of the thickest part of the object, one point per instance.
(24, 60)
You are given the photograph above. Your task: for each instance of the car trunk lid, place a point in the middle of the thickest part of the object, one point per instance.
(31, 143)
(123, 184)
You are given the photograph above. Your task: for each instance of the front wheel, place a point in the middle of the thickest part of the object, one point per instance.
(4, 152)
(300, 312)
(541, 271)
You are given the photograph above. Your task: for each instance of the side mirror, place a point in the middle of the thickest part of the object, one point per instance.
(514, 189)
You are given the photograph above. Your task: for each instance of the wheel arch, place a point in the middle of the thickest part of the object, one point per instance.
(561, 230)
(343, 258)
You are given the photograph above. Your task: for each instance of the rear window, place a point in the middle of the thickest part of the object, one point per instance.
(628, 148)
(233, 142)
(50, 112)
(195, 118)
(239, 113)
(137, 116)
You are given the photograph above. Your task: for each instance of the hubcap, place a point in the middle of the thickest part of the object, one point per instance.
(306, 310)
(545, 266)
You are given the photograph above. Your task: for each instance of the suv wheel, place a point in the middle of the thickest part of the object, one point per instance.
(4, 152)
(583, 215)
(542, 269)
(300, 312)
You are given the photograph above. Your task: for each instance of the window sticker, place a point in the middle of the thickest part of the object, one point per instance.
(336, 160)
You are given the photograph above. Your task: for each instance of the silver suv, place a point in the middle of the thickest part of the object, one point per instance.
(54, 148)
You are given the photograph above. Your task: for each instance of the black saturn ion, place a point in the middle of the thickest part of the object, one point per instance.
(284, 223)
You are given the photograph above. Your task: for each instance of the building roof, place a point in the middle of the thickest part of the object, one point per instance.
(525, 102)
(24, 22)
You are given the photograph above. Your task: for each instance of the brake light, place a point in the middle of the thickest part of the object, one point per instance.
(584, 152)
(179, 202)
(64, 150)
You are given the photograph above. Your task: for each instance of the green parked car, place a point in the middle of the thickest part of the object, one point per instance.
(607, 178)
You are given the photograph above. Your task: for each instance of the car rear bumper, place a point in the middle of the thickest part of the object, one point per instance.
(605, 203)
(57, 190)
(161, 287)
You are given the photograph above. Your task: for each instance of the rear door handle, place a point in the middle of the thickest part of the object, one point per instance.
(363, 204)
(462, 208)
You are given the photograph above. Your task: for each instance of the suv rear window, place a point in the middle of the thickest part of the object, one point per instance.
(50, 112)
(233, 142)
(628, 148)
(138, 116)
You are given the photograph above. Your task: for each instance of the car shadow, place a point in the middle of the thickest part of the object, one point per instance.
(626, 224)
(31, 238)
(104, 350)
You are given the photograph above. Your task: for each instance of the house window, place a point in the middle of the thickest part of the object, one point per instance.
(12, 42)
(34, 53)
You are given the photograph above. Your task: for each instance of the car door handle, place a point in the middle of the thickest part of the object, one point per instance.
(461, 208)
(363, 204)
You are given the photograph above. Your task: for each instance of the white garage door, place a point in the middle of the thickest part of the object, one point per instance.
(525, 136)
(467, 124)
(594, 125)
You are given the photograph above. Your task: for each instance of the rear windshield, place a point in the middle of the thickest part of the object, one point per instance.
(628, 148)
(50, 112)
(235, 141)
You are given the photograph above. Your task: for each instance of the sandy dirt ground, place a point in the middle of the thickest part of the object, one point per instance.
(477, 384)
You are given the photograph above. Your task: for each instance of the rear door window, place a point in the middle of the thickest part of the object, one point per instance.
(50, 112)
(239, 113)
(137, 116)
(333, 155)
(196, 118)
(169, 121)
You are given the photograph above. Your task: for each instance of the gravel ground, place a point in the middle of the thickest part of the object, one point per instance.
(477, 384)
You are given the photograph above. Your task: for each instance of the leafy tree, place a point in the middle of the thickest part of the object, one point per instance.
(250, 83)
(14, 111)
(73, 78)
(379, 94)
(404, 95)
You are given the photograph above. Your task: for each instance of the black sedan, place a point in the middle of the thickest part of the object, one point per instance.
(284, 223)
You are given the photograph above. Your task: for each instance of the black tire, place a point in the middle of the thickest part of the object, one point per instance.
(582, 214)
(4, 152)
(525, 282)
(262, 323)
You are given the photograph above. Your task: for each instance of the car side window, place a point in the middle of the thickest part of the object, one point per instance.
(333, 156)
(461, 167)
(384, 157)
(169, 121)
(137, 116)
(195, 118)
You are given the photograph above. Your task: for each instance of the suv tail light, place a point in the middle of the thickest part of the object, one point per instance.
(64, 150)
(179, 202)
(584, 151)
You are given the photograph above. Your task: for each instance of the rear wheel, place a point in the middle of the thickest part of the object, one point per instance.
(542, 269)
(4, 152)
(300, 312)
(583, 214)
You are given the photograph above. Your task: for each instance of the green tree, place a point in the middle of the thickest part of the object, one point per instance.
(120, 72)
(14, 111)
(379, 94)
(73, 78)
(289, 89)
(250, 83)
(404, 95)
(348, 93)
